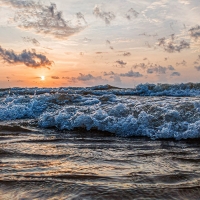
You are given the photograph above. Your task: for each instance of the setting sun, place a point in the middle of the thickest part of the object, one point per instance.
(42, 78)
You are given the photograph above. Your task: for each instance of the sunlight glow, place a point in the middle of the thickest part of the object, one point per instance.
(42, 78)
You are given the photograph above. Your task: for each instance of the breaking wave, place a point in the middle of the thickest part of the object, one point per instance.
(177, 90)
(155, 111)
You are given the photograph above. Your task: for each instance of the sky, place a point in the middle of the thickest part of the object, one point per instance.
(95, 42)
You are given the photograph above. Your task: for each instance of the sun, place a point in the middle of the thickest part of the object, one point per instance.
(42, 78)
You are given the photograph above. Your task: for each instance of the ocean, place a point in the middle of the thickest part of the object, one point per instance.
(100, 142)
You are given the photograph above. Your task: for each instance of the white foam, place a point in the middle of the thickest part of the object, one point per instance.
(155, 117)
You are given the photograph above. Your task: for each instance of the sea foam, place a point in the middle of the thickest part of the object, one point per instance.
(99, 108)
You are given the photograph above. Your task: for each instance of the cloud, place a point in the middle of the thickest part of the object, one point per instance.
(148, 35)
(67, 78)
(132, 13)
(108, 42)
(28, 58)
(161, 41)
(20, 3)
(140, 65)
(154, 68)
(197, 68)
(85, 78)
(131, 73)
(172, 37)
(106, 16)
(44, 19)
(116, 76)
(116, 79)
(170, 67)
(111, 73)
(101, 52)
(159, 69)
(171, 46)
(55, 77)
(195, 32)
(79, 15)
(175, 74)
(184, 63)
(121, 63)
(127, 54)
(31, 40)
(196, 62)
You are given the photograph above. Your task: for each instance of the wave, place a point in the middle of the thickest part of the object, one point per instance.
(178, 90)
(99, 108)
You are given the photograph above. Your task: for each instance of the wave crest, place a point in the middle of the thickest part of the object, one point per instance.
(125, 116)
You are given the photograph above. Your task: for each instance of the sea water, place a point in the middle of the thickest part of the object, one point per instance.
(100, 142)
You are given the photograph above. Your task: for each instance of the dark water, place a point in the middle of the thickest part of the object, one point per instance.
(48, 164)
